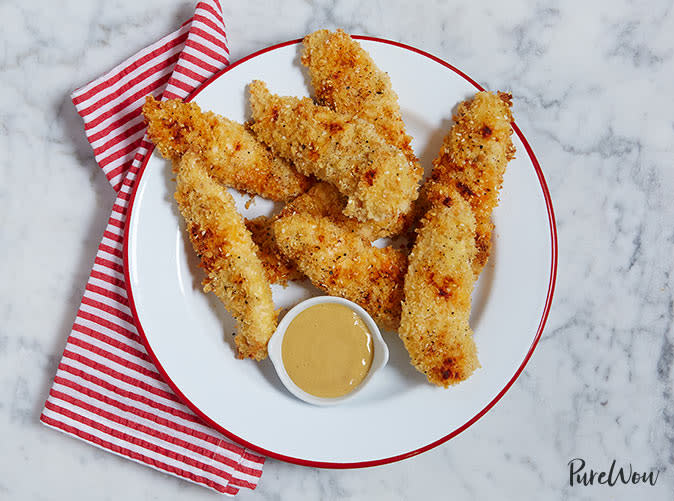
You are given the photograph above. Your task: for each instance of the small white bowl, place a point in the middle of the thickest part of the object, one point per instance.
(379, 359)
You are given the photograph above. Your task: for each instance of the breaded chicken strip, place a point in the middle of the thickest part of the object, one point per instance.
(343, 264)
(346, 79)
(454, 239)
(278, 268)
(232, 154)
(344, 151)
(473, 158)
(234, 272)
(322, 200)
(434, 323)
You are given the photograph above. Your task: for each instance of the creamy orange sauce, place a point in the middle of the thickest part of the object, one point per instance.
(327, 350)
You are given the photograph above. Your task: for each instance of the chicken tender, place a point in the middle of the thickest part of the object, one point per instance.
(344, 151)
(233, 271)
(434, 322)
(323, 199)
(231, 153)
(346, 79)
(454, 239)
(343, 264)
(278, 268)
(473, 158)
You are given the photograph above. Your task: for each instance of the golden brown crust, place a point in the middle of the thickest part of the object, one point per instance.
(233, 156)
(344, 151)
(346, 79)
(344, 264)
(473, 159)
(454, 238)
(323, 199)
(227, 253)
(278, 268)
(434, 323)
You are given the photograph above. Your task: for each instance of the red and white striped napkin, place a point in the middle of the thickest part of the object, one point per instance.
(106, 390)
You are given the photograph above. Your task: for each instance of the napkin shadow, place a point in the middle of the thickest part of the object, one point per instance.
(69, 126)
(73, 128)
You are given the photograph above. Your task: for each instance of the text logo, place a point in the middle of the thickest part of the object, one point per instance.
(579, 475)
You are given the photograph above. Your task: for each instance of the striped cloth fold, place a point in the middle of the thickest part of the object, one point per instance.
(107, 391)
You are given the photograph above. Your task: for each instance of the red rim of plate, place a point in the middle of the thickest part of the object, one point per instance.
(399, 457)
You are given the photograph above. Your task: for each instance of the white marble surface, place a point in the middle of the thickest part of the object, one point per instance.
(593, 93)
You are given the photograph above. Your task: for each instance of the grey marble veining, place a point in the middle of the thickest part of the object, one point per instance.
(592, 86)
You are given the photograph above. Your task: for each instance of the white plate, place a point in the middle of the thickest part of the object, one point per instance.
(189, 334)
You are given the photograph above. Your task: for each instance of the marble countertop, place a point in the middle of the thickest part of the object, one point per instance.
(593, 93)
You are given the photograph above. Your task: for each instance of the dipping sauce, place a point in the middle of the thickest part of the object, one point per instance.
(327, 350)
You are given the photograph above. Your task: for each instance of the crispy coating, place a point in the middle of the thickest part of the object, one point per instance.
(324, 199)
(344, 264)
(434, 323)
(473, 158)
(234, 272)
(454, 239)
(232, 154)
(346, 79)
(279, 269)
(344, 151)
